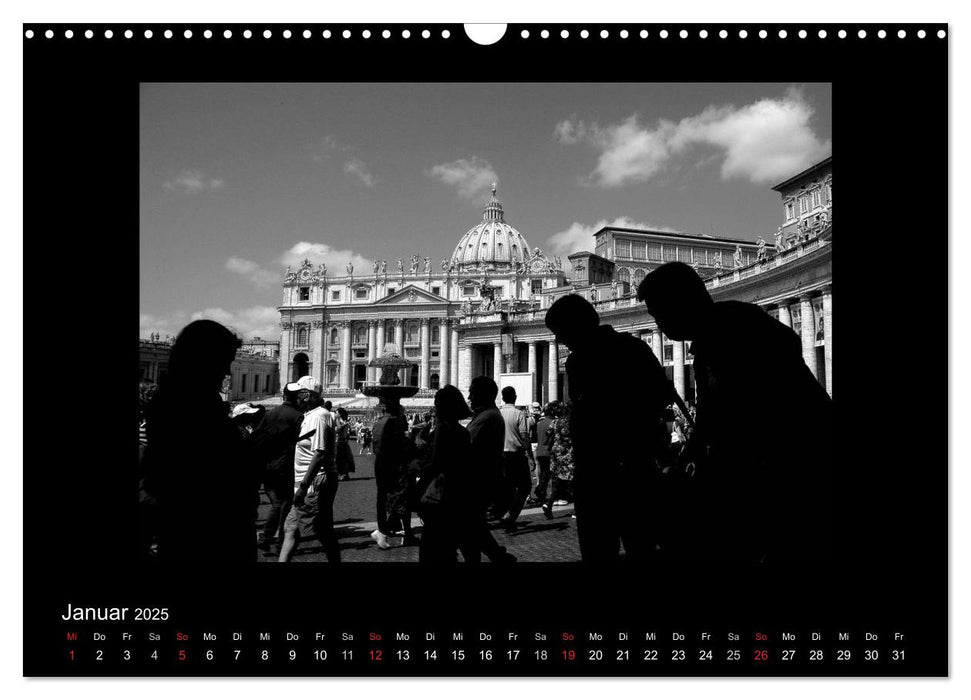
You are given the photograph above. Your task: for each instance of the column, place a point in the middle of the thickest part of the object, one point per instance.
(497, 361)
(531, 367)
(426, 353)
(464, 368)
(380, 341)
(399, 341)
(785, 318)
(317, 357)
(455, 353)
(657, 345)
(346, 378)
(553, 372)
(679, 367)
(444, 346)
(828, 331)
(372, 348)
(808, 333)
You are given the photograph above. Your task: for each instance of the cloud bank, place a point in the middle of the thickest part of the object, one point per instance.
(193, 182)
(471, 177)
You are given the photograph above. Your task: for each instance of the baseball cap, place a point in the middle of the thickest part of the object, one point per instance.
(243, 409)
(306, 383)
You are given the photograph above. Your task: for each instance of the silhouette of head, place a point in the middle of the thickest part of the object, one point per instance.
(572, 320)
(508, 394)
(677, 299)
(328, 406)
(342, 412)
(483, 392)
(450, 407)
(202, 356)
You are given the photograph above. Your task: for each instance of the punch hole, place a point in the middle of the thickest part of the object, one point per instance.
(485, 34)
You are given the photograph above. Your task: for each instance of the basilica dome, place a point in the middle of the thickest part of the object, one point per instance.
(491, 242)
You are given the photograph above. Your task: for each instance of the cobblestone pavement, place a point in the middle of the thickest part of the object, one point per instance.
(536, 540)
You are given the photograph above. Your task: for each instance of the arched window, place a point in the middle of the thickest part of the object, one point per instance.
(333, 336)
(360, 334)
(435, 333)
(389, 333)
(638, 277)
(433, 382)
(303, 335)
(623, 275)
(301, 366)
(411, 336)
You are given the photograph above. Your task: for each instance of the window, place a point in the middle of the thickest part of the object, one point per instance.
(684, 254)
(305, 294)
(437, 291)
(333, 336)
(391, 291)
(242, 384)
(389, 335)
(361, 293)
(654, 251)
(790, 211)
(360, 334)
(411, 333)
(623, 275)
(670, 253)
(436, 333)
(335, 295)
(638, 277)
(817, 197)
(360, 354)
(468, 290)
(622, 249)
(266, 386)
(638, 250)
(669, 353)
(303, 335)
(536, 286)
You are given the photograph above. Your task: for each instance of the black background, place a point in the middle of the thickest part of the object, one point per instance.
(81, 213)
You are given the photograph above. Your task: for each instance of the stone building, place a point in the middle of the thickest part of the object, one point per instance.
(807, 203)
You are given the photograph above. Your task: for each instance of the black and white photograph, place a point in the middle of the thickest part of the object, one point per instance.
(485, 323)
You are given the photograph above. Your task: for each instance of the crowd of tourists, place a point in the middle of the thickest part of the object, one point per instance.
(659, 479)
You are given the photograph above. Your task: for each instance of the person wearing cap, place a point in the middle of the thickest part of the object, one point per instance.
(246, 416)
(315, 476)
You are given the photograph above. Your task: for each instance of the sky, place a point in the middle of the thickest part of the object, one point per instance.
(239, 180)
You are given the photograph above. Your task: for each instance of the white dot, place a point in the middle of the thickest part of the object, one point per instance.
(167, 34)
(109, 33)
(783, 33)
(763, 34)
(683, 34)
(624, 34)
(227, 34)
(346, 34)
(861, 33)
(664, 34)
(802, 34)
(287, 34)
(49, 34)
(406, 34)
(386, 34)
(129, 34)
(723, 34)
(148, 33)
(842, 34)
(901, 34)
(742, 34)
(69, 34)
(207, 34)
(425, 34)
(584, 34)
(267, 33)
(703, 33)
(941, 34)
(524, 34)
(366, 34)
(187, 33)
(326, 34)
(545, 34)
(446, 34)
(88, 34)
(29, 34)
(881, 34)
(564, 34)
(643, 34)
(822, 34)
(306, 34)
(604, 33)
(247, 33)
(921, 34)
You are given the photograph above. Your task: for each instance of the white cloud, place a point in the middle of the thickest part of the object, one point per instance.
(765, 141)
(580, 236)
(193, 182)
(335, 260)
(165, 326)
(256, 274)
(357, 167)
(256, 321)
(471, 177)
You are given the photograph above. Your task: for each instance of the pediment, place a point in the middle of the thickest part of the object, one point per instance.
(412, 295)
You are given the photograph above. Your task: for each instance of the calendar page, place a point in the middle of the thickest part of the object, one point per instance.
(499, 351)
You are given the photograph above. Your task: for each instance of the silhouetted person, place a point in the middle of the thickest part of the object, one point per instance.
(763, 428)
(205, 480)
(614, 481)
(393, 450)
(517, 453)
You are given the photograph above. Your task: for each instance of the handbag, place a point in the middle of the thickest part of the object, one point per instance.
(434, 492)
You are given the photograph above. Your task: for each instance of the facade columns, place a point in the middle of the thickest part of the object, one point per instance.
(372, 348)
(399, 341)
(426, 350)
(553, 372)
(456, 381)
(657, 345)
(346, 377)
(444, 346)
(497, 361)
(464, 368)
(679, 367)
(785, 318)
(531, 367)
(808, 333)
(828, 337)
(380, 346)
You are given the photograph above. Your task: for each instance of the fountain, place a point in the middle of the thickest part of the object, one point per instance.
(389, 388)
